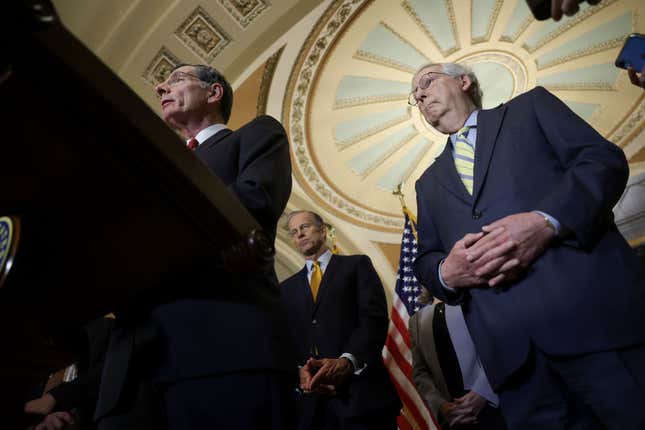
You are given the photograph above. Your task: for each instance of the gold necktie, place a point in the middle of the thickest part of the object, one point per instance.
(465, 159)
(316, 277)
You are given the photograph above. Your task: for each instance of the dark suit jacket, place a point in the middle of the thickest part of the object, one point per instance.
(212, 321)
(350, 315)
(239, 323)
(534, 153)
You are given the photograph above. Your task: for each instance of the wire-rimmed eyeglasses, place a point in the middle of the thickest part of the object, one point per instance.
(176, 78)
(424, 82)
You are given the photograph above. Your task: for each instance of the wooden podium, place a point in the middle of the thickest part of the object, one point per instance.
(99, 200)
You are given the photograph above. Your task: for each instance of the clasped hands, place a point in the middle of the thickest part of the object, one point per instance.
(325, 375)
(462, 412)
(501, 252)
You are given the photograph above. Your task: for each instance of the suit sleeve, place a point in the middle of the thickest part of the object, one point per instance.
(263, 183)
(367, 340)
(431, 253)
(596, 171)
(421, 373)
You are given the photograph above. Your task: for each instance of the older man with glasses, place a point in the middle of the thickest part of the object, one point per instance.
(220, 359)
(515, 225)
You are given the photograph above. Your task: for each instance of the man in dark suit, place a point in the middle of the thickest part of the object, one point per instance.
(220, 356)
(338, 321)
(515, 224)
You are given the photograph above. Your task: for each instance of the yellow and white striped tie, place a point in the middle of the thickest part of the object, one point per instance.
(465, 159)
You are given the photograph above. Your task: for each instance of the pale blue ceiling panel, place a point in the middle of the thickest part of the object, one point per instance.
(549, 27)
(583, 110)
(355, 90)
(496, 82)
(482, 14)
(599, 76)
(371, 157)
(435, 18)
(605, 36)
(349, 132)
(405, 166)
(384, 46)
(517, 22)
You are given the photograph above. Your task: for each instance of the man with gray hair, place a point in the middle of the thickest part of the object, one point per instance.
(338, 322)
(220, 358)
(515, 225)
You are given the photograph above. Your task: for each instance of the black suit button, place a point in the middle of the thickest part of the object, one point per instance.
(477, 214)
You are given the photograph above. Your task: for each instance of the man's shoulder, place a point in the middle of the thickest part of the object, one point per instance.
(293, 279)
(262, 121)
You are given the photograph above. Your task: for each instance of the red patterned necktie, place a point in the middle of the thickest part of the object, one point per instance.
(193, 144)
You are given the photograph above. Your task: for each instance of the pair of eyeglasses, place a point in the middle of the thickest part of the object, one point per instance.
(424, 82)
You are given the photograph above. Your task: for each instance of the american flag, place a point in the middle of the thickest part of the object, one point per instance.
(396, 353)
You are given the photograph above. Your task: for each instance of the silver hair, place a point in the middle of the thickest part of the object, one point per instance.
(318, 221)
(455, 70)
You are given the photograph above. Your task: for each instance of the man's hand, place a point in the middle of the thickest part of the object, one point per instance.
(55, 421)
(306, 374)
(635, 78)
(455, 417)
(458, 271)
(331, 371)
(504, 256)
(42, 405)
(567, 7)
(467, 408)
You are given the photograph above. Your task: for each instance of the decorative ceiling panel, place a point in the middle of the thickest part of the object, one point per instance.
(355, 139)
(245, 11)
(160, 66)
(202, 35)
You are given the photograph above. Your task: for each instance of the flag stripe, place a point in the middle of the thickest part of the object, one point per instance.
(397, 353)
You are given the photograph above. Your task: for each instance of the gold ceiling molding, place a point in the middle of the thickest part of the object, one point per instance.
(245, 11)
(453, 24)
(160, 66)
(295, 112)
(267, 78)
(521, 29)
(346, 143)
(577, 18)
(202, 35)
(515, 65)
(491, 22)
(603, 46)
(382, 61)
(631, 125)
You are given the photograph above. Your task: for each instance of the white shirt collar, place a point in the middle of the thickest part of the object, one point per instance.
(323, 260)
(208, 132)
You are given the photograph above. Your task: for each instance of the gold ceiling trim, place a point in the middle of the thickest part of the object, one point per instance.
(522, 28)
(599, 47)
(160, 66)
(630, 125)
(245, 11)
(267, 78)
(451, 14)
(295, 111)
(578, 18)
(347, 143)
(382, 61)
(491, 23)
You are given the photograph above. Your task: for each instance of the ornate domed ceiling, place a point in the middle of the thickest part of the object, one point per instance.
(337, 74)
(353, 134)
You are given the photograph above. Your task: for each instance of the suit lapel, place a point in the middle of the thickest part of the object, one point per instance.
(304, 290)
(214, 139)
(488, 125)
(446, 174)
(327, 280)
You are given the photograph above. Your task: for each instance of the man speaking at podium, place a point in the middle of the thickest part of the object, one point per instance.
(222, 360)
